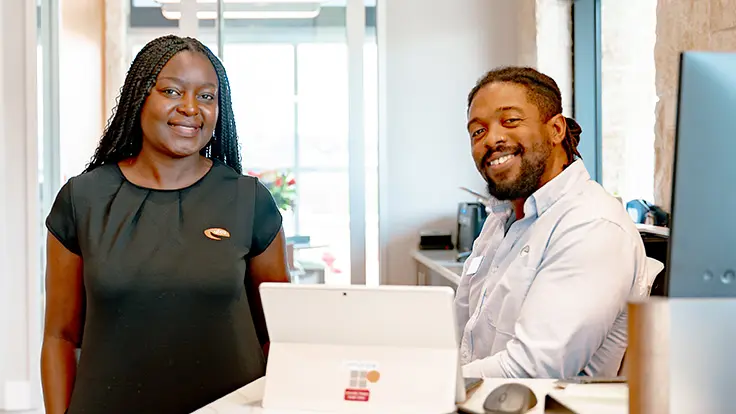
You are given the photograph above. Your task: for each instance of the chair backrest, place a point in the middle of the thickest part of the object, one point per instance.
(654, 268)
(656, 241)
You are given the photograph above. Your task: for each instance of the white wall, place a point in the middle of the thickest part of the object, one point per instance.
(432, 53)
(19, 254)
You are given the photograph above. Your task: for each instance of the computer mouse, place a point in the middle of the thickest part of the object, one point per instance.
(511, 398)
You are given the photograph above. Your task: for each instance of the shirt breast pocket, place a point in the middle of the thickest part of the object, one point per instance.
(506, 297)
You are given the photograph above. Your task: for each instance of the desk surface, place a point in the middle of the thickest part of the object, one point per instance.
(442, 262)
(584, 399)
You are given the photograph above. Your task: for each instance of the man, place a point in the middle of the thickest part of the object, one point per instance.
(544, 291)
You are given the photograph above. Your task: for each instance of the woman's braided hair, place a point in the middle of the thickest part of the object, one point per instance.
(123, 137)
(543, 92)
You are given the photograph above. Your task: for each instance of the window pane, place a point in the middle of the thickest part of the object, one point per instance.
(324, 217)
(262, 84)
(628, 97)
(289, 223)
(370, 90)
(290, 91)
(323, 105)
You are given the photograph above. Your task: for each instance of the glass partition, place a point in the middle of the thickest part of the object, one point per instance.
(306, 109)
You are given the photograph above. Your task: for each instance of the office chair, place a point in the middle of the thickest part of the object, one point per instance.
(654, 268)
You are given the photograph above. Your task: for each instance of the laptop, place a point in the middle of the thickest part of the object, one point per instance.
(359, 349)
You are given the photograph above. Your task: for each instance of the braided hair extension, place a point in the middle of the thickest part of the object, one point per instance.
(123, 137)
(543, 92)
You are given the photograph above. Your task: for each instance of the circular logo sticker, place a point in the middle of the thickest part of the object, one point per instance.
(373, 376)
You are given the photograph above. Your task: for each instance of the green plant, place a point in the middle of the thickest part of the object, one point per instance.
(282, 186)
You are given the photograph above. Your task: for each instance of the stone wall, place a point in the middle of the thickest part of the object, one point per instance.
(683, 25)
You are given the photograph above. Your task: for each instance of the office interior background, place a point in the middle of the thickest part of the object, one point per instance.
(355, 115)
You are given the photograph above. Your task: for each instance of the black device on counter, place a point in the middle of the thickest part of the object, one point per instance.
(435, 240)
(470, 219)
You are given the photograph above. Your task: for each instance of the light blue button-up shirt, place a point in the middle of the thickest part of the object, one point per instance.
(548, 298)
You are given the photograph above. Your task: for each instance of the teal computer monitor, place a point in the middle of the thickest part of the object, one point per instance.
(702, 245)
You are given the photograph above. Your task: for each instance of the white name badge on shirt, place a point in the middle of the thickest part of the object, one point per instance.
(474, 265)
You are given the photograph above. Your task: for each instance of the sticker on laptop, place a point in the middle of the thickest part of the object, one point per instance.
(360, 365)
(355, 394)
(361, 375)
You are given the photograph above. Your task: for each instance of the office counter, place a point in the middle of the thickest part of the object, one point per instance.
(438, 268)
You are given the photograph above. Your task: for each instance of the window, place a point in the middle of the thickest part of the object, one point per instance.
(290, 89)
(615, 93)
(628, 97)
(586, 81)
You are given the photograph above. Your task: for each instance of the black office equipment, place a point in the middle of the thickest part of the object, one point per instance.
(702, 246)
(435, 240)
(470, 219)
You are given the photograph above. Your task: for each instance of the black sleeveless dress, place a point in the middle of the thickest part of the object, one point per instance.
(168, 326)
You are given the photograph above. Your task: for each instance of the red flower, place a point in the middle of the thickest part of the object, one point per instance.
(278, 182)
(329, 260)
(291, 182)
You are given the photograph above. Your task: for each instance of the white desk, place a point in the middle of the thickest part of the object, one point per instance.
(244, 400)
(438, 267)
(540, 387)
(584, 399)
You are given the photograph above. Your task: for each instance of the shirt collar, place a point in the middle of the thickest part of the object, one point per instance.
(570, 178)
(545, 197)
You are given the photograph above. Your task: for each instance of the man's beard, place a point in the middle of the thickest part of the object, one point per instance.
(533, 166)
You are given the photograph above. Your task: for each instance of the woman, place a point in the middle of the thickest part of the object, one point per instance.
(156, 251)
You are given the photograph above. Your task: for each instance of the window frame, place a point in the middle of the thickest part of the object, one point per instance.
(137, 36)
(586, 17)
(356, 152)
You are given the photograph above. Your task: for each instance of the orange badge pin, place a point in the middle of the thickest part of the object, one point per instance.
(216, 233)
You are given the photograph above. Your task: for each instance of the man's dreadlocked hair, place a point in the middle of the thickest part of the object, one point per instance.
(543, 92)
(123, 137)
